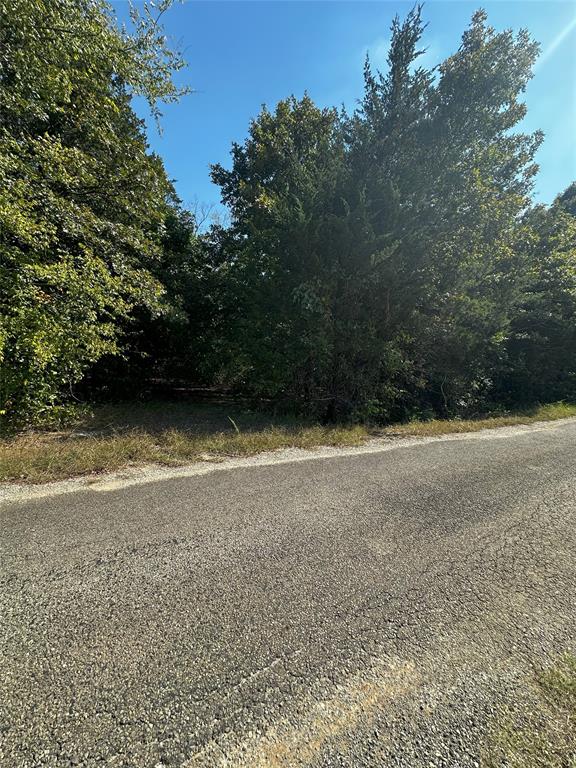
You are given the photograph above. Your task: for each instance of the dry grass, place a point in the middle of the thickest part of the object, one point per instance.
(115, 437)
(437, 427)
(44, 456)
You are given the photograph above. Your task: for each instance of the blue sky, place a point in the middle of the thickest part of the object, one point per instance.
(244, 54)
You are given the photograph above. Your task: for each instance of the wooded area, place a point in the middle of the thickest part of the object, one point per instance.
(378, 265)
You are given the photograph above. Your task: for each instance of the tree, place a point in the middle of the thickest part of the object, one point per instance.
(375, 253)
(566, 201)
(446, 180)
(541, 349)
(283, 195)
(82, 202)
(180, 343)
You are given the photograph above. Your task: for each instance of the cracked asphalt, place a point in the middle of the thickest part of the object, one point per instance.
(359, 610)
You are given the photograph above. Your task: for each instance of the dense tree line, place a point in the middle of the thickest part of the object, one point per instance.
(82, 201)
(377, 265)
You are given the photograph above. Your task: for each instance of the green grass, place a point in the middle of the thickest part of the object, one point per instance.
(550, 412)
(541, 732)
(170, 434)
(115, 437)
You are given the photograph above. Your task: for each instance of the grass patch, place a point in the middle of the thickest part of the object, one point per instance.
(114, 437)
(167, 434)
(542, 732)
(435, 427)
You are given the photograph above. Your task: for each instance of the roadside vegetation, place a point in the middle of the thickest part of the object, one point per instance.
(436, 427)
(377, 266)
(542, 732)
(111, 438)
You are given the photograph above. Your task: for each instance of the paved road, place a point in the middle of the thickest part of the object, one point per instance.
(369, 610)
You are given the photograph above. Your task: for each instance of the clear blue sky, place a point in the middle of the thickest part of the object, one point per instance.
(244, 54)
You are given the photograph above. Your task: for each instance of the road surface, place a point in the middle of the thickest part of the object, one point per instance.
(361, 610)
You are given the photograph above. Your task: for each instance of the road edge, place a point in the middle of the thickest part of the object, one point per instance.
(20, 492)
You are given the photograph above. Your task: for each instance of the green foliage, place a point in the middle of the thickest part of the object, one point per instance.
(378, 265)
(177, 343)
(283, 195)
(567, 200)
(82, 202)
(542, 341)
(372, 265)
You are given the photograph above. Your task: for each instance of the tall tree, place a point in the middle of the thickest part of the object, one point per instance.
(282, 193)
(82, 201)
(446, 180)
(376, 253)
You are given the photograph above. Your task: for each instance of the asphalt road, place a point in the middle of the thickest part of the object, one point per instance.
(367, 610)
